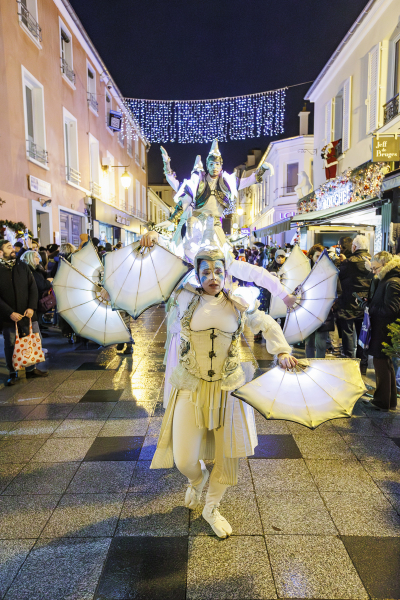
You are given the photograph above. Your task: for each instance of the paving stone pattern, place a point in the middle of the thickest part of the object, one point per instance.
(316, 514)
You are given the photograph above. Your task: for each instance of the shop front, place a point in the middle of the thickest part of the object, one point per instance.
(112, 225)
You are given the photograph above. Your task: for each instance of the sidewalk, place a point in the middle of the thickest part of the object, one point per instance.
(316, 514)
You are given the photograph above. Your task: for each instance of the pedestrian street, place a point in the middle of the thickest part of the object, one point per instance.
(316, 514)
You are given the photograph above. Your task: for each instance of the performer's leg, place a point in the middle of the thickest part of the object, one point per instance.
(216, 490)
(187, 438)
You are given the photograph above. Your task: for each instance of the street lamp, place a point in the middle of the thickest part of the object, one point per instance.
(125, 179)
(239, 211)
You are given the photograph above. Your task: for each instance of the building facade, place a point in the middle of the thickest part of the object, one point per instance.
(158, 210)
(60, 159)
(265, 205)
(356, 100)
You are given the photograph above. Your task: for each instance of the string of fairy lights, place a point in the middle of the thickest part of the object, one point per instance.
(194, 121)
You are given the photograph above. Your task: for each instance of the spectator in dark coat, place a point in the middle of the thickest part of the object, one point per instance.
(18, 302)
(384, 309)
(354, 278)
(32, 259)
(345, 244)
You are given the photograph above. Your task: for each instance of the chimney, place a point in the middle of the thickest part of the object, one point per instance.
(251, 160)
(304, 121)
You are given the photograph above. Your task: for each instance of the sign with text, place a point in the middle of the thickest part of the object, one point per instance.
(122, 220)
(385, 148)
(245, 230)
(39, 186)
(115, 120)
(335, 197)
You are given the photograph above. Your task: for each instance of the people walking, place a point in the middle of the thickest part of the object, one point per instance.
(18, 303)
(384, 309)
(354, 278)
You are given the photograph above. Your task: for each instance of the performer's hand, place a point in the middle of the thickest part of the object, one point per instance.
(165, 156)
(287, 361)
(148, 239)
(290, 300)
(15, 317)
(267, 165)
(28, 313)
(105, 295)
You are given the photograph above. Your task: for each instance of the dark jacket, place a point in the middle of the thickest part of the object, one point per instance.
(40, 277)
(18, 292)
(354, 277)
(384, 308)
(272, 267)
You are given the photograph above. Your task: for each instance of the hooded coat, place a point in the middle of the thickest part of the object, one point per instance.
(384, 308)
(354, 277)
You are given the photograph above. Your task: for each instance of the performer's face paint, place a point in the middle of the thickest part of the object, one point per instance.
(214, 167)
(212, 276)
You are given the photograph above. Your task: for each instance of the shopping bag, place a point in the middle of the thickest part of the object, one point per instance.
(27, 350)
(365, 333)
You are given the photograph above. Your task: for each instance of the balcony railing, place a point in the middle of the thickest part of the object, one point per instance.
(68, 72)
(93, 102)
(95, 189)
(112, 199)
(289, 189)
(29, 21)
(391, 109)
(123, 205)
(36, 152)
(73, 176)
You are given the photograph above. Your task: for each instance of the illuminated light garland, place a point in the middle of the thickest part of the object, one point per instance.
(194, 121)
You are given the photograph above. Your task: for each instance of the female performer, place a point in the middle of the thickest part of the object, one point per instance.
(203, 420)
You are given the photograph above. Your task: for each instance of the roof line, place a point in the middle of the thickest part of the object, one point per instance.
(342, 44)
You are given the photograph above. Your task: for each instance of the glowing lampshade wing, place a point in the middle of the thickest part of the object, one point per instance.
(137, 278)
(316, 391)
(87, 261)
(316, 295)
(293, 271)
(80, 303)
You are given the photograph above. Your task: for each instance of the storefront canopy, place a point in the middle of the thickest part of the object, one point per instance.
(277, 227)
(324, 216)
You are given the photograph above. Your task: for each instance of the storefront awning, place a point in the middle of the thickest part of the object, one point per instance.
(323, 216)
(277, 227)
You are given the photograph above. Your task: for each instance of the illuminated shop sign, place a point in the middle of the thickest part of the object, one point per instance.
(335, 197)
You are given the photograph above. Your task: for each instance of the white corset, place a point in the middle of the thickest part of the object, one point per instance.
(211, 348)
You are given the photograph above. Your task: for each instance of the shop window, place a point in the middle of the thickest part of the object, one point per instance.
(94, 156)
(292, 170)
(33, 99)
(71, 148)
(67, 64)
(28, 18)
(91, 89)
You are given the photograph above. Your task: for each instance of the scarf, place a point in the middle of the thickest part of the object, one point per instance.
(9, 264)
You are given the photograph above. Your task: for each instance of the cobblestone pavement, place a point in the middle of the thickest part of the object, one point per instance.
(315, 514)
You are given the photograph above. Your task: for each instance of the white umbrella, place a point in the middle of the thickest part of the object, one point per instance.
(315, 295)
(293, 271)
(80, 303)
(137, 278)
(87, 261)
(316, 391)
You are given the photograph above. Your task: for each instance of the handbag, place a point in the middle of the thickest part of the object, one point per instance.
(27, 350)
(365, 333)
(47, 301)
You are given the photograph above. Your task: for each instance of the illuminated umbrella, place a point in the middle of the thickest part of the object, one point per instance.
(80, 303)
(314, 392)
(291, 274)
(315, 296)
(137, 278)
(87, 261)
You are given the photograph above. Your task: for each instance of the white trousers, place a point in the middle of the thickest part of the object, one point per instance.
(187, 438)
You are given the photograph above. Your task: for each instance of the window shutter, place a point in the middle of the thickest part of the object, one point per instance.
(328, 121)
(346, 114)
(373, 88)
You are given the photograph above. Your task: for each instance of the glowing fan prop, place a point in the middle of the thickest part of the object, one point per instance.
(293, 271)
(88, 263)
(316, 295)
(137, 278)
(316, 391)
(80, 303)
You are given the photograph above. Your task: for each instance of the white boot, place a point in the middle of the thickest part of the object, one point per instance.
(218, 523)
(193, 493)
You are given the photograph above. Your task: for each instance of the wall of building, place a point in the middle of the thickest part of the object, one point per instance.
(22, 53)
(158, 210)
(380, 26)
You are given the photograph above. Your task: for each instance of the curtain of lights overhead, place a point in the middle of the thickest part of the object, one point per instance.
(193, 121)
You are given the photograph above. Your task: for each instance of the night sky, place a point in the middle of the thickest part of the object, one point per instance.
(187, 49)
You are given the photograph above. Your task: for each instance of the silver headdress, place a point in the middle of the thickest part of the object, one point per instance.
(214, 153)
